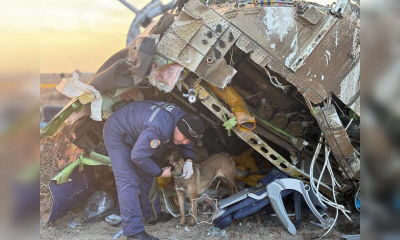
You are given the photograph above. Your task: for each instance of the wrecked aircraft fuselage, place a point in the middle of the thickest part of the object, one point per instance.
(291, 72)
(314, 48)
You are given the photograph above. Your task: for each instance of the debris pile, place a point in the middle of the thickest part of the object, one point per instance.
(55, 154)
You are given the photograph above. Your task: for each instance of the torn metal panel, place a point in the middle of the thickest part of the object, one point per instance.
(312, 49)
(338, 140)
(195, 8)
(330, 62)
(222, 76)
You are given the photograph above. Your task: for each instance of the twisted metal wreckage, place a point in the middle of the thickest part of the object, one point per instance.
(284, 77)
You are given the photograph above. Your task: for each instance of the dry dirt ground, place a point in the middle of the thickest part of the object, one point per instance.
(257, 226)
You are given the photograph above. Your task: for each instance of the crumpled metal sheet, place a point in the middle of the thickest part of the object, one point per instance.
(187, 42)
(314, 50)
(338, 140)
(317, 42)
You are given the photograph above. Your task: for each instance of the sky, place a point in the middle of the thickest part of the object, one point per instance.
(81, 35)
(19, 38)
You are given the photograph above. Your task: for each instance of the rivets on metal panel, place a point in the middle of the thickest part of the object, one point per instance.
(221, 43)
(230, 36)
(209, 34)
(204, 41)
(218, 28)
(217, 53)
(210, 60)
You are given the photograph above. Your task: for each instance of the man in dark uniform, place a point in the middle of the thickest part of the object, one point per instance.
(131, 135)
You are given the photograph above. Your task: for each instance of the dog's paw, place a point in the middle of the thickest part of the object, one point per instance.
(179, 225)
(190, 224)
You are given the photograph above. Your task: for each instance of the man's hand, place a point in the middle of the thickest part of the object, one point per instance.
(187, 169)
(166, 172)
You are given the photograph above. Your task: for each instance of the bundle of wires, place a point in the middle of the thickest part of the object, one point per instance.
(315, 188)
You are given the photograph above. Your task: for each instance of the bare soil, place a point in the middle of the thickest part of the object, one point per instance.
(257, 226)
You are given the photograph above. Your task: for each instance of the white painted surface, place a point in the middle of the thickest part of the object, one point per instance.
(279, 21)
(350, 86)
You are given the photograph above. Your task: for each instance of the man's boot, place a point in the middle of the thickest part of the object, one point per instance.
(161, 218)
(141, 236)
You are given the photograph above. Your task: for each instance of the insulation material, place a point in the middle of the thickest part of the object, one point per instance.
(72, 87)
(166, 77)
(246, 122)
(244, 162)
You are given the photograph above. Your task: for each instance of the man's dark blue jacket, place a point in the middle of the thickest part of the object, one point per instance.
(146, 126)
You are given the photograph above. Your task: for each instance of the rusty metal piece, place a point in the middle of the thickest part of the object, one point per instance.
(209, 34)
(295, 126)
(338, 140)
(279, 119)
(265, 110)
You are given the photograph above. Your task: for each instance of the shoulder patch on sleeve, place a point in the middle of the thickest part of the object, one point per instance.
(154, 143)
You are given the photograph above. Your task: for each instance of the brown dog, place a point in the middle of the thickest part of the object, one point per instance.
(219, 165)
